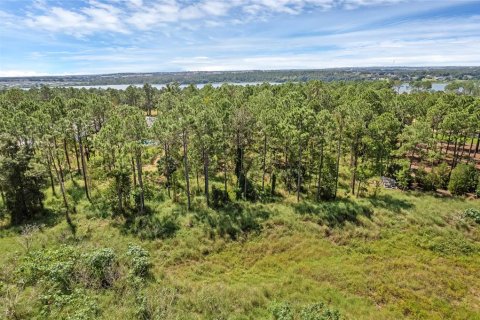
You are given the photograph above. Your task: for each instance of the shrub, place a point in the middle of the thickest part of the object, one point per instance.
(139, 261)
(316, 311)
(477, 191)
(442, 173)
(152, 227)
(463, 179)
(328, 183)
(219, 197)
(404, 177)
(473, 214)
(319, 311)
(282, 311)
(246, 189)
(427, 181)
(101, 266)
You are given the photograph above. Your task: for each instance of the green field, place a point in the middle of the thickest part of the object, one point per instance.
(396, 255)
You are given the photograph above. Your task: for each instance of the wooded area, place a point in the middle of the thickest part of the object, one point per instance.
(206, 203)
(252, 142)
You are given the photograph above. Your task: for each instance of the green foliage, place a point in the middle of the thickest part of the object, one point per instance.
(66, 277)
(219, 197)
(447, 243)
(477, 190)
(138, 261)
(152, 227)
(442, 175)
(463, 179)
(20, 180)
(316, 311)
(282, 311)
(319, 311)
(473, 214)
(102, 267)
(427, 181)
(404, 177)
(327, 185)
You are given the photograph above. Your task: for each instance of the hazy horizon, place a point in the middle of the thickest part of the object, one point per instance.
(246, 70)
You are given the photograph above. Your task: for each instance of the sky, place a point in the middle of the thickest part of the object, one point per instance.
(60, 37)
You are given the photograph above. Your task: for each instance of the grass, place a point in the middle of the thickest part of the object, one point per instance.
(398, 255)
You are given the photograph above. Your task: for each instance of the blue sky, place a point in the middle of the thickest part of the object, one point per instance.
(56, 37)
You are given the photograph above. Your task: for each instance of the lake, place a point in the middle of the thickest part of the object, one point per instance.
(161, 86)
(405, 87)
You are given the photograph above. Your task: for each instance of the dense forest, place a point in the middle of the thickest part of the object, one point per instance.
(159, 162)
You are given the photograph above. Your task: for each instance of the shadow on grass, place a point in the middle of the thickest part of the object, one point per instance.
(149, 225)
(333, 213)
(232, 220)
(46, 218)
(390, 203)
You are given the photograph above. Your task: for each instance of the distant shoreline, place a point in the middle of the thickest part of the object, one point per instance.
(400, 74)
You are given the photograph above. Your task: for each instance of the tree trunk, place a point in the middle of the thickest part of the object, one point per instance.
(274, 182)
(140, 180)
(76, 155)
(454, 154)
(225, 176)
(244, 174)
(448, 145)
(477, 146)
(119, 194)
(299, 168)
(86, 149)
(3, 197)
(320, 168)
(49, 165)
(205, 173)
(59, 172)
(65, 149)
(167, 170)
(339, 145)
(185, 162)
(463, 147)
(134, 173)
(353, 163)
(470, 148)
(264, 161)
(84, 167)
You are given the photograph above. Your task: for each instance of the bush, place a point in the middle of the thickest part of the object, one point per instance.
(427, 181)
(139, 261)
(219, 197)
(316, 311)
(473, 214)
(152, 227)
(477, 191)
(463, 179)
(442, 173)
(246, 190)
(282, 311)
(319, 311)
(101, 267)
(328, 183)
(404, 178)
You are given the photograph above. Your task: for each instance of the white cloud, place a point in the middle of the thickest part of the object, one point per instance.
(122, 15)
(94, 18)
(21, 73)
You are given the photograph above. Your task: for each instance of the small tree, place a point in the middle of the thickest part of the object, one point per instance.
(404, 177)
(463, 179)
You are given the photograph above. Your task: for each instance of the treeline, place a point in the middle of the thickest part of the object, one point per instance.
(402, 74)
(252, 143)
